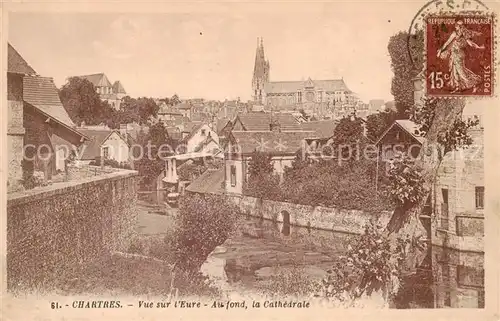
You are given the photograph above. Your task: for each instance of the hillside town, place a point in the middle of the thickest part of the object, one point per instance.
(261, 195)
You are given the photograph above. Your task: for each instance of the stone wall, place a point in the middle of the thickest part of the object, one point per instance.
(53, 231)
(338, 220)
(460, 223)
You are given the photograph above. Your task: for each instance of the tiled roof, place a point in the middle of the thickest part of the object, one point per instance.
(92, 148)
(17, 64)
(211, 182)
(408, 126)
(270, 142)
(98, 80)
(293, 86)
(321, 128)
(412, 128)
(41, 92)
(118, 88)
(194, 128)
(221, 123)
(262, 121)
(173, 132)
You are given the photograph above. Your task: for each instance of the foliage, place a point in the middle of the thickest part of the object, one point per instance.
(204, 222)
(291, 282)
(404, 68)
(369, 265)
(82, 102)
(377, 123)
(137, 110)
(112, 163)
(152, 162)
(264, 186)
(457, 136)
(36, 179)
(348, 135)
(260, 165)
(406, 181)
(190, 171)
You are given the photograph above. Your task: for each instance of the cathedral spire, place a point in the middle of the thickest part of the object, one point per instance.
(260, 71)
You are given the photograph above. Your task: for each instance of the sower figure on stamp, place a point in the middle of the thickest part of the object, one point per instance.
(461, 77)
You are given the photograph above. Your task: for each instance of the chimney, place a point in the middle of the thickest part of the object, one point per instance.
(123, 130)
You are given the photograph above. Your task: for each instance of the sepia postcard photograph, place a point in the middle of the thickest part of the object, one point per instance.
(250, 160)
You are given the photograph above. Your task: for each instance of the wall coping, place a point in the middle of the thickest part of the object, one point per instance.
(312, 207)
(39, 193)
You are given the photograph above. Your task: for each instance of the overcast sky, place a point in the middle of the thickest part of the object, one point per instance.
(211, 53)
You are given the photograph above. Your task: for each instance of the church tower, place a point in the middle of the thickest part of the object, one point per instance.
(260, 73)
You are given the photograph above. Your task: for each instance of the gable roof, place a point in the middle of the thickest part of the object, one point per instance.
(16, 63)
(321, 128)
(211, 182)
(262, 121)
(271, 142)
(408, 126)
(98, 80)
(97, 137)
(118, 88)
(293, 86)
(194, 128)
(41, 92)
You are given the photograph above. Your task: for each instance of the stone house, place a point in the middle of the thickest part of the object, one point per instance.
(201, 138)
(40, 130)
(282, 146)
(104, 144)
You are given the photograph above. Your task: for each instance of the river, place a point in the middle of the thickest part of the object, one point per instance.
(264, 257)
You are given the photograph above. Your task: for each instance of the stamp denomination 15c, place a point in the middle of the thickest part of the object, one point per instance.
(459, 55)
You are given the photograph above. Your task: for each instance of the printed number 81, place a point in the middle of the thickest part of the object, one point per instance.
(437, 81)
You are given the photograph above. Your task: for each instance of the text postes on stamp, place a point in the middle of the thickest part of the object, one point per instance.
(459, 55)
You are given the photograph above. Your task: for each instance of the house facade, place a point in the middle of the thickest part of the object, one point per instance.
(282, 146)
(201, 138)
(104, 144)
(40, 131)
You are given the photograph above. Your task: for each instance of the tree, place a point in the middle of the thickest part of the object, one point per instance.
(348, 137)
(260, 165)
(156, 145)
(174, 100)
(403, 67)
(204, 222)
(377, 123)
(82, 102)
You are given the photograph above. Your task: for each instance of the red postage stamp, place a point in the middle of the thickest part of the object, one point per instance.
(459, 55)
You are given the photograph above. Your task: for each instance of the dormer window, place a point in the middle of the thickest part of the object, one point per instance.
(203, 132)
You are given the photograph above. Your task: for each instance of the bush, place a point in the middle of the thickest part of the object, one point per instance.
(369, 265)
(112, 163)
(203, 223)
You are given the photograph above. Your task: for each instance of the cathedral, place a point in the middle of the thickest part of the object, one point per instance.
(321, 97)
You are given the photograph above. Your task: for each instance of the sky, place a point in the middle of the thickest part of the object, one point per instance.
(210, 53)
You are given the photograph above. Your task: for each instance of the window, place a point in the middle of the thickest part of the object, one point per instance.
(299, 97)
(444, 191)
(479, 197)
(105, 152)
(233, 175)
(203, 132)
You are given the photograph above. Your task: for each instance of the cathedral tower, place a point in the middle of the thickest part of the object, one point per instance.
(260, 73)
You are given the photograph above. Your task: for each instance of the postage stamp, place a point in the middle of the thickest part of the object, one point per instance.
(459, 55)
